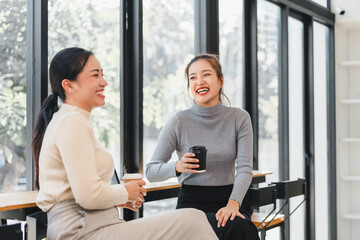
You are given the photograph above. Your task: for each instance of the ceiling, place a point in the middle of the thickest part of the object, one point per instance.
(351, 7)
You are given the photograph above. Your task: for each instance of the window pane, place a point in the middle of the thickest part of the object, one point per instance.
(168, 32)
(93, 25)
(296, 122)
(231, 49)
(321, 137)
(268, 89)
(268, 94)
(321, 2)
(12, 96)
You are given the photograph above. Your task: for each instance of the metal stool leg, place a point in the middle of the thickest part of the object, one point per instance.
(282, 231)
(263, 234)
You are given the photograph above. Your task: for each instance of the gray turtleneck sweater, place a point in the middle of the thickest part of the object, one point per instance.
(226, 132)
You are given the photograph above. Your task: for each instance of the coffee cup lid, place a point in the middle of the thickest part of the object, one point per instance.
(198, 148)
(132, 176)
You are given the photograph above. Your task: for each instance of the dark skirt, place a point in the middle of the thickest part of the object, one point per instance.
(210, 200)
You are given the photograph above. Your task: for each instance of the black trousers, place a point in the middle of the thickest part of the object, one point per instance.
(210, 200)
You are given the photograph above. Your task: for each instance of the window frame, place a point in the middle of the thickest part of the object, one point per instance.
(36, 74)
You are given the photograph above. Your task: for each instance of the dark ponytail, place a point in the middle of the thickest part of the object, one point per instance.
(66, 64)
(48, 108)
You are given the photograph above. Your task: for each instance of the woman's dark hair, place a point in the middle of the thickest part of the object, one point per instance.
(66, 64)
(214, 62)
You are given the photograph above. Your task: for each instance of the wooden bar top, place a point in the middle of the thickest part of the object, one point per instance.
(19, 200)
(174, 183)
(10, 201)
(258, 173)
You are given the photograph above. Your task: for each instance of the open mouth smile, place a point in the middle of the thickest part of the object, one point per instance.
(100, 93)
(202, 91)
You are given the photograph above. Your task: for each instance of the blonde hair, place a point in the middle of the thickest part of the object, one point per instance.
(215, 64)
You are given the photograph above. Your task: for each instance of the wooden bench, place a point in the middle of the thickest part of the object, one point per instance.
(269, 222)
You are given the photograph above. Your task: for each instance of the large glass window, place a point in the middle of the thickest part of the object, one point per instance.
(93, 25)
(296, 122)
(12, 96)
(168, 38)
(320, 114)
(268, 88)
(231, 49)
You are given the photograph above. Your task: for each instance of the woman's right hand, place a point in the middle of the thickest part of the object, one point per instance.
(135, 190)
(185, 163)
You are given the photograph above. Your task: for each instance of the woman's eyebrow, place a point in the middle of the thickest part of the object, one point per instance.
(206, 70)
(96, 70)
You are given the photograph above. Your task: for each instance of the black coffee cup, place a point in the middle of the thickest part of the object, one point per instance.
(200, 153)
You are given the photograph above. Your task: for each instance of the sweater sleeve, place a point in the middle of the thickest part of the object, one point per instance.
(244, 162)
(76, 144)
(159, 169)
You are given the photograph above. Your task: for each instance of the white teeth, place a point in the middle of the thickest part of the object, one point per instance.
(202, 90)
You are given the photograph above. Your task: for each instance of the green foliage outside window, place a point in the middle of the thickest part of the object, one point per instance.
(12, 93)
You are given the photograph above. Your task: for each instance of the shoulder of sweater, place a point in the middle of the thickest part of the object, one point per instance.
(73, 119)
(176, 117)
(183, 112)
(241, 118)
(71, 123)
(72, 114)
(235, 111)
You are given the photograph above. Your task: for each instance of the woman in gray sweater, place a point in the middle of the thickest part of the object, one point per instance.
(226, 132)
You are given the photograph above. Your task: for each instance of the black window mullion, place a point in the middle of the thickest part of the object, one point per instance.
(284, 171)
(251, 71)
(131, 85)
(309, 144)
(207, 26)
(284, 96)
(36, 73)
(331, 130)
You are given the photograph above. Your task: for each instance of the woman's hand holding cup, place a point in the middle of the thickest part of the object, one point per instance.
(134, 186)
(187, 164)
(136, 194)
(135, 190)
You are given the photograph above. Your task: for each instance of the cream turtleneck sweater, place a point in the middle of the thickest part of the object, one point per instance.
(74, 165)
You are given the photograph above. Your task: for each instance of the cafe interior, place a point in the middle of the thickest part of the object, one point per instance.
(293, 65)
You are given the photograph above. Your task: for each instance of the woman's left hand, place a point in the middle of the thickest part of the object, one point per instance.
(132, 205)
(229, 212)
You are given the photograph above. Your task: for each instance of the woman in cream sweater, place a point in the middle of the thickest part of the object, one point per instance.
(73, 170)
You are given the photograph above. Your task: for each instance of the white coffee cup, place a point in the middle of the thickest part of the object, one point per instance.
(129, 177)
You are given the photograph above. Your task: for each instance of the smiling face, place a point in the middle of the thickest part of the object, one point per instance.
(204, 83)
(86, 91)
